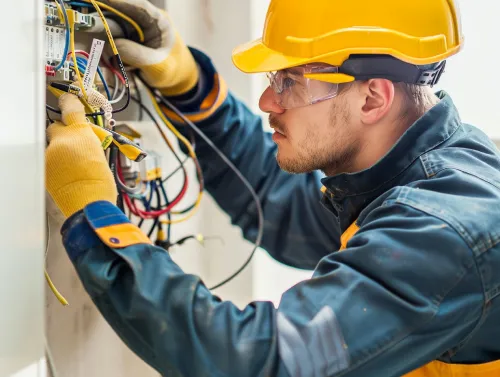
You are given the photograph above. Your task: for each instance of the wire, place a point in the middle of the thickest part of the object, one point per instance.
(120, 97)
(106, 26)
(53, 288)
(139, 97)
(84, 62)
(96, 5)
(134, 24)
(73, 53)
(59, 296)
(62, 9)
(114, 71)
(165, 139)
(169, 225)
(50, 360)
(247, 184)
(115, 87)
(176, 170)
(152, 214)
(194, 207)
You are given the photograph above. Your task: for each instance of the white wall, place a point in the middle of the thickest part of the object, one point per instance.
(472, 77)
(21, 199)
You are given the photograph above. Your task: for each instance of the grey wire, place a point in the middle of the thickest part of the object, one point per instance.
(47, 234)
(240, 176)
(50, 360)
(129, 190)
(115, 89)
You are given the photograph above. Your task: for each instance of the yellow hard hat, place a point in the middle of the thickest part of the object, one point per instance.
(297, 32)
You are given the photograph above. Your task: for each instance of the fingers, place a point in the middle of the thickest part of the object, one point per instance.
(141, 11)
(155, 22)
(137, 55)
(72, 110)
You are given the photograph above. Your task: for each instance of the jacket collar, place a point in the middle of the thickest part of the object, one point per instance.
(428, 132)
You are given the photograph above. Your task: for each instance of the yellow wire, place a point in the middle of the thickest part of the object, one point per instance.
(187, 217)
(59, 296)
(59, 11)
(106, 26)
(191, 152)
(119, 14)
(171, 127)
(71, 17)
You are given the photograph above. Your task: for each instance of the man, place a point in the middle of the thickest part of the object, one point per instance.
(405, 242)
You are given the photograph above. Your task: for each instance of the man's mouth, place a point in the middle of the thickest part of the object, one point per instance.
(277, 126)
(278, 135)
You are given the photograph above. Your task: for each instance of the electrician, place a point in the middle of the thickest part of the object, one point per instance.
(402, 229)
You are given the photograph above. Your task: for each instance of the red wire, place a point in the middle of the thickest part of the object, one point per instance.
(115, 71)
(151, 214)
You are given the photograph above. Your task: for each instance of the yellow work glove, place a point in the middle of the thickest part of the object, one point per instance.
(164, 60)
(76, 168)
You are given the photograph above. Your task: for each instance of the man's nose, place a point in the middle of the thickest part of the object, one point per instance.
(268, 104)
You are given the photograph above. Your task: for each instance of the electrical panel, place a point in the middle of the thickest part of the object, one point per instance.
(57, 37)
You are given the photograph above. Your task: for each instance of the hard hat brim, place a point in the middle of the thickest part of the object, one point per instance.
(256, 57)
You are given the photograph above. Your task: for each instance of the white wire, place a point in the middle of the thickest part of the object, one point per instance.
(117, 84)
(120, 97)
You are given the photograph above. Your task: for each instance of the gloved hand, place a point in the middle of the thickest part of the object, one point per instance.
(76, 168)
(165, 61)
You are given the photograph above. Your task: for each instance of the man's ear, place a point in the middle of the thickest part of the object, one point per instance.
(378, 99)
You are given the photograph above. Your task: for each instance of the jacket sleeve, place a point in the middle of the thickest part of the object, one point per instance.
(299, 231)
(391, 302)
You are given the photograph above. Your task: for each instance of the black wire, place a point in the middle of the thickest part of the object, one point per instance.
(125, 77)
(56, 111)
(181, 163)
(176, 170)
(247, 184)
(153, 119)
(139, 97)
(113, 160)
(155, 224)
(169, 215)
(49, 118)
(156, 208)
(141, 222)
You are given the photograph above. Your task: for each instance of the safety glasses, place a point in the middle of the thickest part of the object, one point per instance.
(292, 88)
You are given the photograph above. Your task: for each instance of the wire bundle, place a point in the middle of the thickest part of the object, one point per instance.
(146, 198)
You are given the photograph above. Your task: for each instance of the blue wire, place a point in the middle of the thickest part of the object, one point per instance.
(147, 203)
(79, 4)
(83, 61)
(66, 46)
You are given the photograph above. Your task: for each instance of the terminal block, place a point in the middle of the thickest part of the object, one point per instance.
(55, 31)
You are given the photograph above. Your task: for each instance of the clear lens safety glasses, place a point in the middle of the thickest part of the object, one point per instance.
(293, 89)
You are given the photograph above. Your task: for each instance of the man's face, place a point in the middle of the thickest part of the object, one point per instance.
(315, 137)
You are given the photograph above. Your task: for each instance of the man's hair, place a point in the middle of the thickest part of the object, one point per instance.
(417, 98)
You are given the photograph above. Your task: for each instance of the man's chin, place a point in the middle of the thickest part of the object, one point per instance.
(293, 166)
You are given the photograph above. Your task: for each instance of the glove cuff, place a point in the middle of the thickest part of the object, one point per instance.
(177, 74)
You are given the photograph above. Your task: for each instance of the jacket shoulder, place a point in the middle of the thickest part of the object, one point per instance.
(461, 187)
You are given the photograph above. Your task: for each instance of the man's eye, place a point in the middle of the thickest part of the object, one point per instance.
(288, 83)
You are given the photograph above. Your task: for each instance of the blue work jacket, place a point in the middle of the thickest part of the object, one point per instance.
(406, 258)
